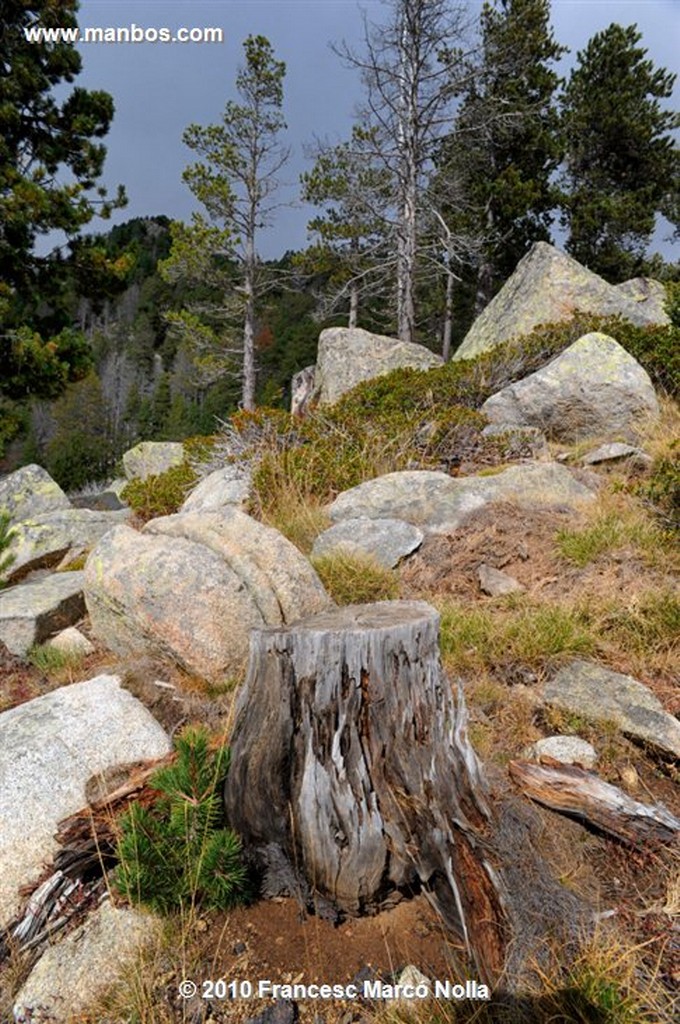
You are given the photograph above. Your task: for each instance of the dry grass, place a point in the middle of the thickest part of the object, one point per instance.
(352, 578)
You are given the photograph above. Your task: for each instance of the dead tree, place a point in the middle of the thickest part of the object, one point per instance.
(350, 758)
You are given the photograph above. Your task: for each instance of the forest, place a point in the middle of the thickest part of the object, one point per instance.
(470, 147)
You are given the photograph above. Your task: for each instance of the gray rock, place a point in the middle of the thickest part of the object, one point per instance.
(649, 294)
(496, 583)
(411, 975)
(302, 390)
(31, 612)
(30, 491)
(438, 503)
(347, 357)
(386, 540)
(229, 486)
(601, 695)
(191, 586)
(49, 749)
(71, 641)
(594, 388)
(73, 974)
(613, 452)
(549, 287)
(149, 458)
(567, 749)
(44, 540)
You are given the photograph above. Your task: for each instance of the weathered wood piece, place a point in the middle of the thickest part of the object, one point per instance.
(350, 756)
(577, 792)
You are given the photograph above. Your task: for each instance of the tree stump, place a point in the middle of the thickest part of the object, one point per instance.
(350, 756)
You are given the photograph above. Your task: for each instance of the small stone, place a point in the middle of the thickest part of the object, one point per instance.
(496, 583)
(240, 947)
(412, 976)
(610, 453)
(71, 641)
(567, 749)
(629, 777)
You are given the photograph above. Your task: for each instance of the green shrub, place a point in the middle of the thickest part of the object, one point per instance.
(160, 494)
(177, 854)
(663, 487)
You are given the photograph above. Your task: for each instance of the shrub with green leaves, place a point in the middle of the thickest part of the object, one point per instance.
(178, 854)
(159, 494)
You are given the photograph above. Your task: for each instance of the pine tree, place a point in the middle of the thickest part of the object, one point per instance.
(49, 157)
(621, 167)
(351, 232)
(498, 161)
(235, 180)
(177, 854)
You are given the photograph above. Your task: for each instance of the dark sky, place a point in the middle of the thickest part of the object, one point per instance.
(160, 88)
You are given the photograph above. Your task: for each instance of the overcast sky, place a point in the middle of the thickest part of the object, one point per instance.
(159, 89)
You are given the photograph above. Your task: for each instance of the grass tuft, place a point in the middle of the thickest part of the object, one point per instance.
(356, 579)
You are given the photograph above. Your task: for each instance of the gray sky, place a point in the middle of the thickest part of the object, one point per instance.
(159, 89)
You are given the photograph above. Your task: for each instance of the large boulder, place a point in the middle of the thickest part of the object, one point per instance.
(593, 389)
(649, 294)
(191, 587)
(348, 356)
(32, 612)
(550, 287)
(385, 540)
(74, 973)
(438, 503)
(30, 491)
(49, 749)
(231, 485)
(596, 693)
(150, 458)
(43, 540)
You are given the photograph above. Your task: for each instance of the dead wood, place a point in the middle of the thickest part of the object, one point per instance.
(350, 755)
(580, 793)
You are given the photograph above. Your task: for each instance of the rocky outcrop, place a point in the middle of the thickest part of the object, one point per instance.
(549, 287)
(192, 586)
(73, 974)
(32, 612)
(302, 390)
(593, 389)
(596, 693)
(385, 540)
(649, 294)
(438, 503)
(44, 540)
(149, 458)
(49, 749)
(229, 486)
(30, 491)
(348, 356)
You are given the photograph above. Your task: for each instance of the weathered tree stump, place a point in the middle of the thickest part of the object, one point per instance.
(350, 756)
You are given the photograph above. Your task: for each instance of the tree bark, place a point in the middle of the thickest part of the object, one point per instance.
(579, 793)
(350, 756)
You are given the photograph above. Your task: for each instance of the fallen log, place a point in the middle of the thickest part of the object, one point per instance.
(579, 793)
(350, 760)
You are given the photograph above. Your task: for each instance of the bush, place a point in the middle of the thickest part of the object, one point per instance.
(160, 494)
(177, 854)
(663, 488)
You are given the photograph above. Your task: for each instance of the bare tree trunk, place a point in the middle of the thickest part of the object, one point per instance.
(448, 317)
(350, 758)
(353, 305)
(248, 388)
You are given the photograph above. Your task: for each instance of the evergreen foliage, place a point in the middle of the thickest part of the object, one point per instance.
(622, 166)
(504, 146)
(235, 180)
(178, 854)
(43, 139)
